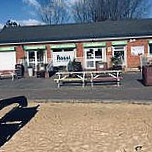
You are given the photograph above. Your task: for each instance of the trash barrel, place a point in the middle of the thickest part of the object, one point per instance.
(147, 75)
(19, 69)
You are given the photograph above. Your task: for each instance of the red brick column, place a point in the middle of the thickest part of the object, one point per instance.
(20, 53)
(109, 54)
(79, 51)
(48, 53)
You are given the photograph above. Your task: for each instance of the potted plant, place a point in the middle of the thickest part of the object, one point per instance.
(116, 63)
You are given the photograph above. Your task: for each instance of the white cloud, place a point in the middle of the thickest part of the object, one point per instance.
(1, 26)
(33, 3)
(30, 22)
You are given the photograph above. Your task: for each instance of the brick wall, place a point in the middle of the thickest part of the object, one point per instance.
(20, 53)
(48, 53)
(79, 50)
(132, 60)
(109, 54)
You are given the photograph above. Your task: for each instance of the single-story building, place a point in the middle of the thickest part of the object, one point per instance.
(88, 43)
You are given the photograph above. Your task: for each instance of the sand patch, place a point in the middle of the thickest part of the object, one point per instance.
(78, 127)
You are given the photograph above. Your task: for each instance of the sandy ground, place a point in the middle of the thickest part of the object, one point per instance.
(78, 127)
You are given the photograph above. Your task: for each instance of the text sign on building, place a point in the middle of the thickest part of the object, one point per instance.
(137, 50)
(62, 58)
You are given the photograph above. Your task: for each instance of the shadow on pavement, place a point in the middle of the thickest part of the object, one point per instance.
(16, 118)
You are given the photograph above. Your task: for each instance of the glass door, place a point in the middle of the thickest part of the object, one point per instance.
(35, 58)
(120, 53)
(92, 55)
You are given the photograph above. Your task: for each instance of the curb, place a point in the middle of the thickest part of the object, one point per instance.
(142, 102)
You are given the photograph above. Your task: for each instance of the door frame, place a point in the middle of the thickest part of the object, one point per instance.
(36, 62)
(103, 59)
(125, 53)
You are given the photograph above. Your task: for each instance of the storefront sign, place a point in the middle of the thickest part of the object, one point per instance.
(62, 58)
(35, 47)
(95, 44)
(119, 42)
(61, 46)
(137, 50)
(7, 48)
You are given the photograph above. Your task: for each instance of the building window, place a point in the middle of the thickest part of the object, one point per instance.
(90, 54)
(150, 49)
(98, 54)
(120, 53)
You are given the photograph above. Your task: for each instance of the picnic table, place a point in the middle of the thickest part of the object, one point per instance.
(88, 77)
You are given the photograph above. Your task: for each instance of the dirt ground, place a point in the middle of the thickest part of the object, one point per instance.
(78, 127)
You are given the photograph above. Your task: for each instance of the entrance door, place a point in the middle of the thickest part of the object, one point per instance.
(34, 58)
(92, 55)
(120, 52)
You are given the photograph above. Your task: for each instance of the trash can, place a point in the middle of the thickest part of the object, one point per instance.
(147, 75)
(101, 65)
(30, 71)
(19, 69)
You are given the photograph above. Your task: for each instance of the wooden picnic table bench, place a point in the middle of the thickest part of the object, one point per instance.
(64, 77)
(89, 76)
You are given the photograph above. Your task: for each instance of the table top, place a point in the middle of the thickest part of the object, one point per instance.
(82, 72)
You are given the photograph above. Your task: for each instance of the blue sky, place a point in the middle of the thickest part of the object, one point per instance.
(22, 11)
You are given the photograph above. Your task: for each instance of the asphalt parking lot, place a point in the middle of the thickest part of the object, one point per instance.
(131, 89)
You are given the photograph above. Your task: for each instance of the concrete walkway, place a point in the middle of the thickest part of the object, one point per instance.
(46, 89)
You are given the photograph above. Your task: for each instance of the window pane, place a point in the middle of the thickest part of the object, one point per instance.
(57, 50)
(90, 64)
(68, 49)
(40, 56)
(31, 56)
(98, 54)
(119, 54)
(90, 54)
(150, 49)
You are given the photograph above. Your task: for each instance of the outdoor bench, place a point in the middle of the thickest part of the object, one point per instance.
(106, 76)
(70, 77)
(88, 77)
(7, 74)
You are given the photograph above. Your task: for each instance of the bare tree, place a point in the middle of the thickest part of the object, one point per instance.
(100, 10)
(53, 11)
(10, 23)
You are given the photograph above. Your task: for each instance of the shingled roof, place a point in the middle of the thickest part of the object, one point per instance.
(99, 30)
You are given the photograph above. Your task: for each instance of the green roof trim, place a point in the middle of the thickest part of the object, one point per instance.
(35, 47)
(119, 43)
(62, 46)
(94, 44)
(150, 41)
(7, 48)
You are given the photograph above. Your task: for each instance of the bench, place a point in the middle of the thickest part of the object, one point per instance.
(106, 76)
(7, 74)
(88, 76)
(70, 77)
